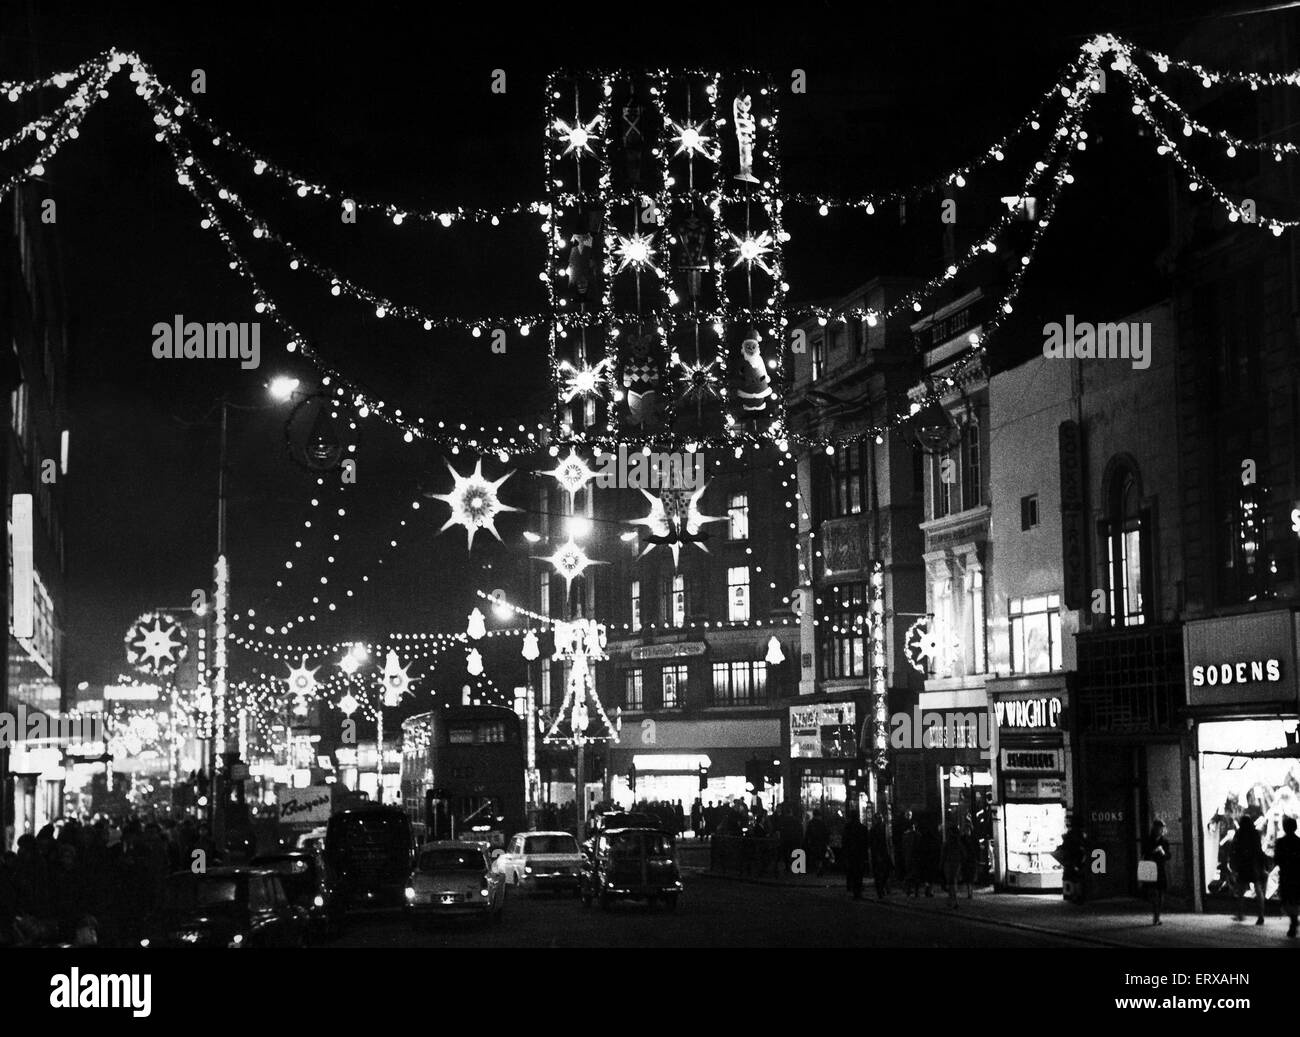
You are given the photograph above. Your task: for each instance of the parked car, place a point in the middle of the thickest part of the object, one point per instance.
(226, 907)
(631, 864)
(370, 851)
(306, 882)
(454, 878)
(541, 860)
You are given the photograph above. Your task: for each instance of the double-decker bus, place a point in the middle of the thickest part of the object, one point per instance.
(463, 773)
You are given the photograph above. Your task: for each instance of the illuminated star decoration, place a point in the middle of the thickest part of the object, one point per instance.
(635, 252)
(752, 251)
(302, 682)
(572, 473)
(474, 502)
(348, 704)
(582, 381)
(699, 382)
(156, 643)
(570, 561)
(396, 680)
(577, 137)
(674, 520)
(692, 141)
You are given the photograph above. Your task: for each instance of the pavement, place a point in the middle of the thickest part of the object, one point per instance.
(1109, 923)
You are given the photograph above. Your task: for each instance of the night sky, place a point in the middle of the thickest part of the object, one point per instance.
(392, 101)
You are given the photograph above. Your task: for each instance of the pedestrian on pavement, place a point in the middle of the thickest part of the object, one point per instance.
(930, 854)
(910, 859)
(1157, 850)
(1286, 852)
(697, 818)
(951, 859)
(881, 864)
(970, 855)
(855, 849)
(1247, 856)
(816, 840)
(679, 816)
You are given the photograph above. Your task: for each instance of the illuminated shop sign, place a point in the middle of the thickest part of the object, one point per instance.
(1040, 761)
(1029, 714)
(1251, 672)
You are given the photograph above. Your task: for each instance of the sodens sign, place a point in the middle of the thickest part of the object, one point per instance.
(1246, 659)
(1237, 673)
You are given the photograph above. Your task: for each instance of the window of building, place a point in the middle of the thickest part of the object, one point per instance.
(834, 337)
(738, 683)
(955, 474)
(845, 481)
(544, 593)
(1029, 511)
(1035, 634)
(842, 632)
(976, 627)
(738, 593)
(738, 516)
(634, 689)
(858, 333)
(944, 484)
(971, 493)
(1127, 551)
(636, 604)
(673, 600)
(674, 685)
(818, 356)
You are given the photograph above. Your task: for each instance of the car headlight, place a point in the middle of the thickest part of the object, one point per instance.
(528, 869)
(410, 892)
(482, 892)
(320, 900)
(144, 943)
(237, 940)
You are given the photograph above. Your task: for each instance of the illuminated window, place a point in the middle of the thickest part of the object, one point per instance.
(673, 600)
(1126, 549)
(738, 683)
(844, 483)
(636, 604)
(544, 594)
(674, 685)
(634, 690)
(842, 631)
(818, 357)
(738, 516)
(1035, 634)
(738, 593)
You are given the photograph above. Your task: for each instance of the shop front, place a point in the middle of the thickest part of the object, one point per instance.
(1242, 695)
(1034, 783)
(671, 759)
(823, 754)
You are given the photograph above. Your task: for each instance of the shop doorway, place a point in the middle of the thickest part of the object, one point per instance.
(967, 795)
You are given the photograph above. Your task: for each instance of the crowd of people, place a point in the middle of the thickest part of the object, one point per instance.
(93, 883)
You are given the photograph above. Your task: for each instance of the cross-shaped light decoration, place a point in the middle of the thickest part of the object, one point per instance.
(572, 473)
(636, 251)
(584, 381)
(570, 561)
(577, 137)
(396, 680)
(474, 502)
(752, 250)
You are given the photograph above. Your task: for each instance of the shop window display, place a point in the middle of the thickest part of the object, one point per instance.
(1034, 831)
(1243, 768)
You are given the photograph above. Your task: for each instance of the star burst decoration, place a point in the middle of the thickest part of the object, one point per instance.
(583, 381)
(570, 561)
(674, 520)
(572, 473)
(474, 502)
(396, 679)
(577, 137)
(752, 251)
(691, 140)
(156, 643)
(699, 381)
(636, 252)
(302, 682)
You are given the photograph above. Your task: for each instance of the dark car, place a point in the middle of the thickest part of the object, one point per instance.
(631, 864)
(370, 851)
(307, 884)
(225, 907)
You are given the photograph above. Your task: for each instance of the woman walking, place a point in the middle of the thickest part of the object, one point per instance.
(1157, 850)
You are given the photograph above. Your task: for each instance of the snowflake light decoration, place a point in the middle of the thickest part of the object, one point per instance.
(925, 648)
(302, 683)
(691, 140)
(396, 680)
(572, 473)
(752, 251)
(156, 644)
(674, 520)
(570, 561)
(636, 252)
(583, 381)
(474, 502)
(577, 137)
(699, 381)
